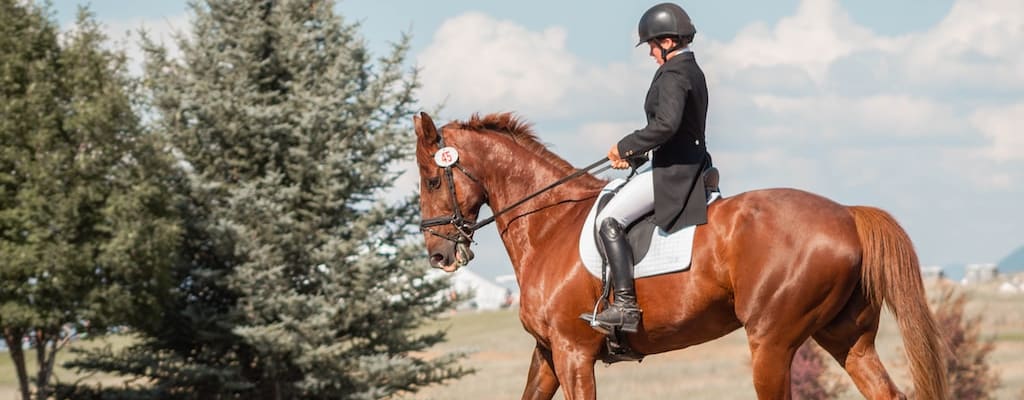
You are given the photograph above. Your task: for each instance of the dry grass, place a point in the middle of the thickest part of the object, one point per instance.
(715, 370)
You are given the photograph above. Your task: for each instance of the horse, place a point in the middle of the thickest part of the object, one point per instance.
(783, 264)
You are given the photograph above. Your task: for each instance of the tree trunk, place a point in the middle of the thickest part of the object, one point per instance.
(13, 338)
(41, 374)
(45, 362)
(48, 358)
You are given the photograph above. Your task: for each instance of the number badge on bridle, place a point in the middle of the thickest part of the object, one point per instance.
(446, 157)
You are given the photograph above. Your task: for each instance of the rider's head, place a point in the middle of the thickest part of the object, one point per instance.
(666, 28)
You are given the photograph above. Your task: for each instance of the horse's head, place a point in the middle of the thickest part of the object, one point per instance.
(450, 193)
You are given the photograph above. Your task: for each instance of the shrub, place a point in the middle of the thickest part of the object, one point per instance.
(970, 377)
(809, 376)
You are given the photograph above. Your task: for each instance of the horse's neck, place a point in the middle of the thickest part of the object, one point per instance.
(545, 221)
(512, 183)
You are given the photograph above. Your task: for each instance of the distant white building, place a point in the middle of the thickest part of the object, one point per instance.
(484, 294)
(980, 273)
(1009, 288)
(932, 272)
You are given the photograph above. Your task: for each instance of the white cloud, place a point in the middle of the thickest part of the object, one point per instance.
(1003, 126)
(978, 44)
(820, 33)
(476, 63)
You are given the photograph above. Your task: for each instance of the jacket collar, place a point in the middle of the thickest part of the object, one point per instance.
(686, 56)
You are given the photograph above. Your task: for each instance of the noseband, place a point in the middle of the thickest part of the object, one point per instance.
(465, 228)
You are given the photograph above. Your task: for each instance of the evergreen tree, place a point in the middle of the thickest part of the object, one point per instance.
(88, 225)
(298, 280)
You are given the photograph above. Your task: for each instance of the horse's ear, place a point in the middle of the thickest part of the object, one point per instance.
(425, 129)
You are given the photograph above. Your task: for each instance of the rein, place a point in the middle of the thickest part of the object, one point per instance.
(466, 228)
(554, 184)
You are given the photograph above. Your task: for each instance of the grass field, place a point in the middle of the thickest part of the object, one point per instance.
(716, 370)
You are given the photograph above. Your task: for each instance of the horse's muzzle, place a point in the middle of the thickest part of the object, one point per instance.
(455, 257)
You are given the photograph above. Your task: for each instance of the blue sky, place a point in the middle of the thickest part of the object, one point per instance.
(912, 106)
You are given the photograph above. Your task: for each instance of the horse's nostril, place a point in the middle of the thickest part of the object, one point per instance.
(436, 259)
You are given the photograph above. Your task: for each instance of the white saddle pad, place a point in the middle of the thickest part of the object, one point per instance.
(668, 252)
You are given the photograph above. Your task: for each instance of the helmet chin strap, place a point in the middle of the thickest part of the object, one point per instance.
(665, 52)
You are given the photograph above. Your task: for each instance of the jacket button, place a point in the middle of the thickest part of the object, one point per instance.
(696, 142)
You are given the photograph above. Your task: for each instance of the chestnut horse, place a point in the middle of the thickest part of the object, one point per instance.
(783, 264)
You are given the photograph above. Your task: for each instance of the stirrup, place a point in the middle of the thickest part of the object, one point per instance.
(629, 320)
(607, 330)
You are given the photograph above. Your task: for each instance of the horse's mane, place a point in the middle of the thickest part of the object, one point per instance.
(519, 130)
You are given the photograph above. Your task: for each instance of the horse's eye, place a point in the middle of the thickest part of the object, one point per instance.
(434, 183)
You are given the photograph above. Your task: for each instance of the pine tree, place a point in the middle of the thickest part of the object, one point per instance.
(88, 224)
(301, 282)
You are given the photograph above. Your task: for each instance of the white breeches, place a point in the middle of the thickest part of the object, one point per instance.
(633, 200)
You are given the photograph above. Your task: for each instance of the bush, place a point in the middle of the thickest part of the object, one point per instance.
(809, 376)
(970, 377)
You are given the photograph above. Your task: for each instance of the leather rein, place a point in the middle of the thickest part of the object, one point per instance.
(465, 228)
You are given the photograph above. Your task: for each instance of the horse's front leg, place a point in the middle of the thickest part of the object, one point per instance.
(574, 366)
(542, 382)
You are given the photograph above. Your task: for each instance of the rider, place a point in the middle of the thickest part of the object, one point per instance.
(676, 107)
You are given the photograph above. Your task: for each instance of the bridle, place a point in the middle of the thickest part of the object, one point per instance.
(465, 228)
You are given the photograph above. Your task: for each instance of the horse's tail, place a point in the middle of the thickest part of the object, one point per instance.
(890, 271)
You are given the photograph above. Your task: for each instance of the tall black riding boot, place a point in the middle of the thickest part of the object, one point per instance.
(623, 312)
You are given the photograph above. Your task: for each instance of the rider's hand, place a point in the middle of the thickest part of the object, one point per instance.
(616, 160)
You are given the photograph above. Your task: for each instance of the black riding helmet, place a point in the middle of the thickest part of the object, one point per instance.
(666, 20)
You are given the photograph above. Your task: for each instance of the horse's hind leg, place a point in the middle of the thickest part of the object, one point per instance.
(541, 383)
(850, 338)
(770, 361)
